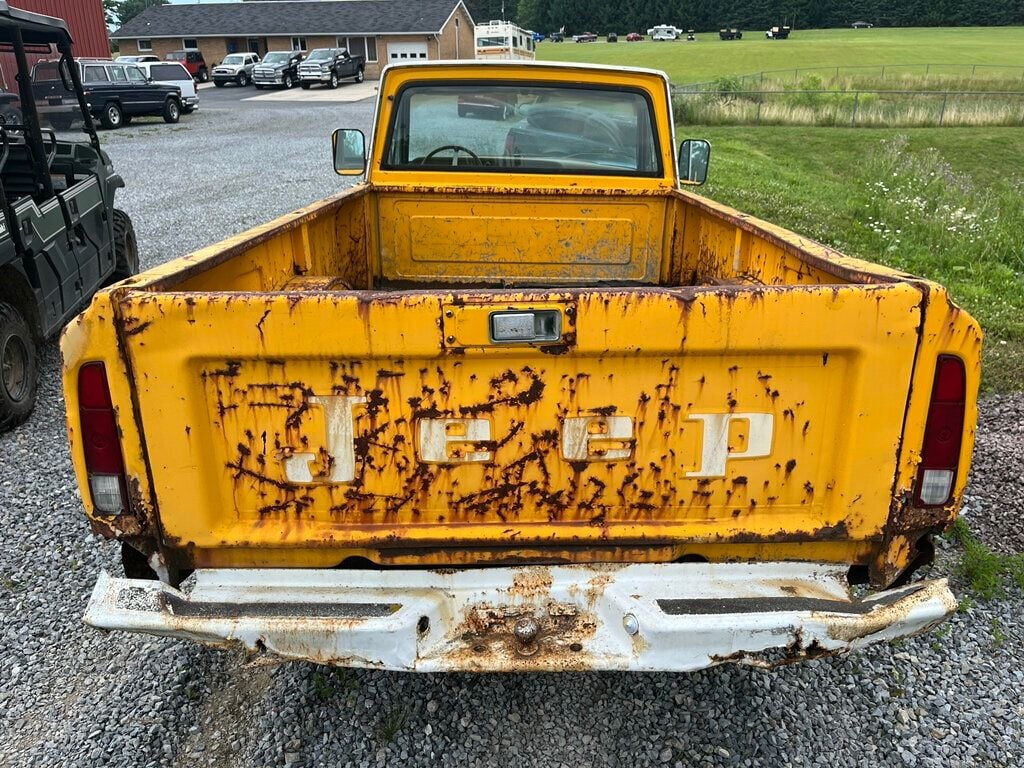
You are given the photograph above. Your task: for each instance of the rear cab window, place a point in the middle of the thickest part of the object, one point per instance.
(530, 128)
(169, 72)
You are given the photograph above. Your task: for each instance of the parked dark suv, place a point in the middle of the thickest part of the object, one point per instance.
(115, 92)
(278, 69)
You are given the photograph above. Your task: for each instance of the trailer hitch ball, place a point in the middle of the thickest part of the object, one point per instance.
(526, 630)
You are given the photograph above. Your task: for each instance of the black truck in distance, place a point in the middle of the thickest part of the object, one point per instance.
(278, 69)
(329, 66)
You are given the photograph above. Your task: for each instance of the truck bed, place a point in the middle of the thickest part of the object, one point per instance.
(721, 389)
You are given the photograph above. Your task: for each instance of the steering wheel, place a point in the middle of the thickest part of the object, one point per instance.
(455, 148)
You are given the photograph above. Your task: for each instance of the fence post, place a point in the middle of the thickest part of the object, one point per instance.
(883, 71)
(856, 102)
(942, 114)
(927, 69)
(759, 110)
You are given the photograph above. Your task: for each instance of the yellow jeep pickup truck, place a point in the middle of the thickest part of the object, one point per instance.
(522, 401)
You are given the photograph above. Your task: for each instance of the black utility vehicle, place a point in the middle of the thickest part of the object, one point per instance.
(278, 69)
(61, 239)
(115, 93)
(330, 66)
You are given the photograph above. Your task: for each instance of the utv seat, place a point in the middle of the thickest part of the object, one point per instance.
(18, 174)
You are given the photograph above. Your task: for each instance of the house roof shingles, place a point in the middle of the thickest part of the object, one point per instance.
(288, 17)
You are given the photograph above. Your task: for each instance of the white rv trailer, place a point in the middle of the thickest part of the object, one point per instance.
(664, 32)
(504, 40)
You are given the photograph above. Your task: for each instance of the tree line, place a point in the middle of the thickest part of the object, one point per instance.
(709, 15)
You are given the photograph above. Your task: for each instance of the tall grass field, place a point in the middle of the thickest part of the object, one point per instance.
(943, 203)
(710, 58)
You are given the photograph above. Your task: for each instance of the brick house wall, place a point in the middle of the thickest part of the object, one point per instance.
(456, 38)
(455, 41)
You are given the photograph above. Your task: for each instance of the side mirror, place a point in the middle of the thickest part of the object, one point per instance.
(694, 157)
(349, 146)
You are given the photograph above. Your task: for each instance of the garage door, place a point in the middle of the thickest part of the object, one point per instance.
(399, 51)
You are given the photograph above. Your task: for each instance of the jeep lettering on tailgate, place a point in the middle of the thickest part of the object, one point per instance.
(584, 438)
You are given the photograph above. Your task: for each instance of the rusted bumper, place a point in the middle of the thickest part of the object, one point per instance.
(587, 617)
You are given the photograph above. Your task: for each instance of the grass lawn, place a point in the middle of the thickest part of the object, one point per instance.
(943, 203)
(710, 57)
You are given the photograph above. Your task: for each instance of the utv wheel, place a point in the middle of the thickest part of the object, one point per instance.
(203, 76)
(288, 82)
(359, 76)
(112, 116)
(243, 80)
(172, 111)
(334, 81)
(17, 368)
(126, 250)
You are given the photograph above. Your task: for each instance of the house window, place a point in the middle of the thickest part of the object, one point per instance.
(360, 46)
(145, 45)
(298, 44)
(189, 42)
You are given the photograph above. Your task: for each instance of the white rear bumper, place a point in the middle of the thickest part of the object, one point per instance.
(585, 617)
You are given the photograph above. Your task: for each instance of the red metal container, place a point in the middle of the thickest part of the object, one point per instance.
(85, 20)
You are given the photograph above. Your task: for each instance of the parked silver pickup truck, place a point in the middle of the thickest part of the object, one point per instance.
(236, 68)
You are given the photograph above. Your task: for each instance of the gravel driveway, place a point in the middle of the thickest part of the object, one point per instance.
(72, 696)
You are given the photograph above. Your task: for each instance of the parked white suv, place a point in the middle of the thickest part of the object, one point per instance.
(173, 73)
(236, 68)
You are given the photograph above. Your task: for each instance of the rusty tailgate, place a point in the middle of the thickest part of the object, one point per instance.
(298, 429)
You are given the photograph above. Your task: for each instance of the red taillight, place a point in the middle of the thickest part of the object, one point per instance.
(101, 442)
(943, 434)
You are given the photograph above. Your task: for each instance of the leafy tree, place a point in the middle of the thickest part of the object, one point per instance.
(110, 11)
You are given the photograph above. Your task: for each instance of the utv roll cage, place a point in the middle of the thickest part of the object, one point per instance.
(21, 33)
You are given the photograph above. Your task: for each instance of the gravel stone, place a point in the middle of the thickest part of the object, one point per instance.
(71, 696)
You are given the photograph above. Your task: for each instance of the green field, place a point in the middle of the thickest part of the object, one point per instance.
(944, 203)
(710, 57)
